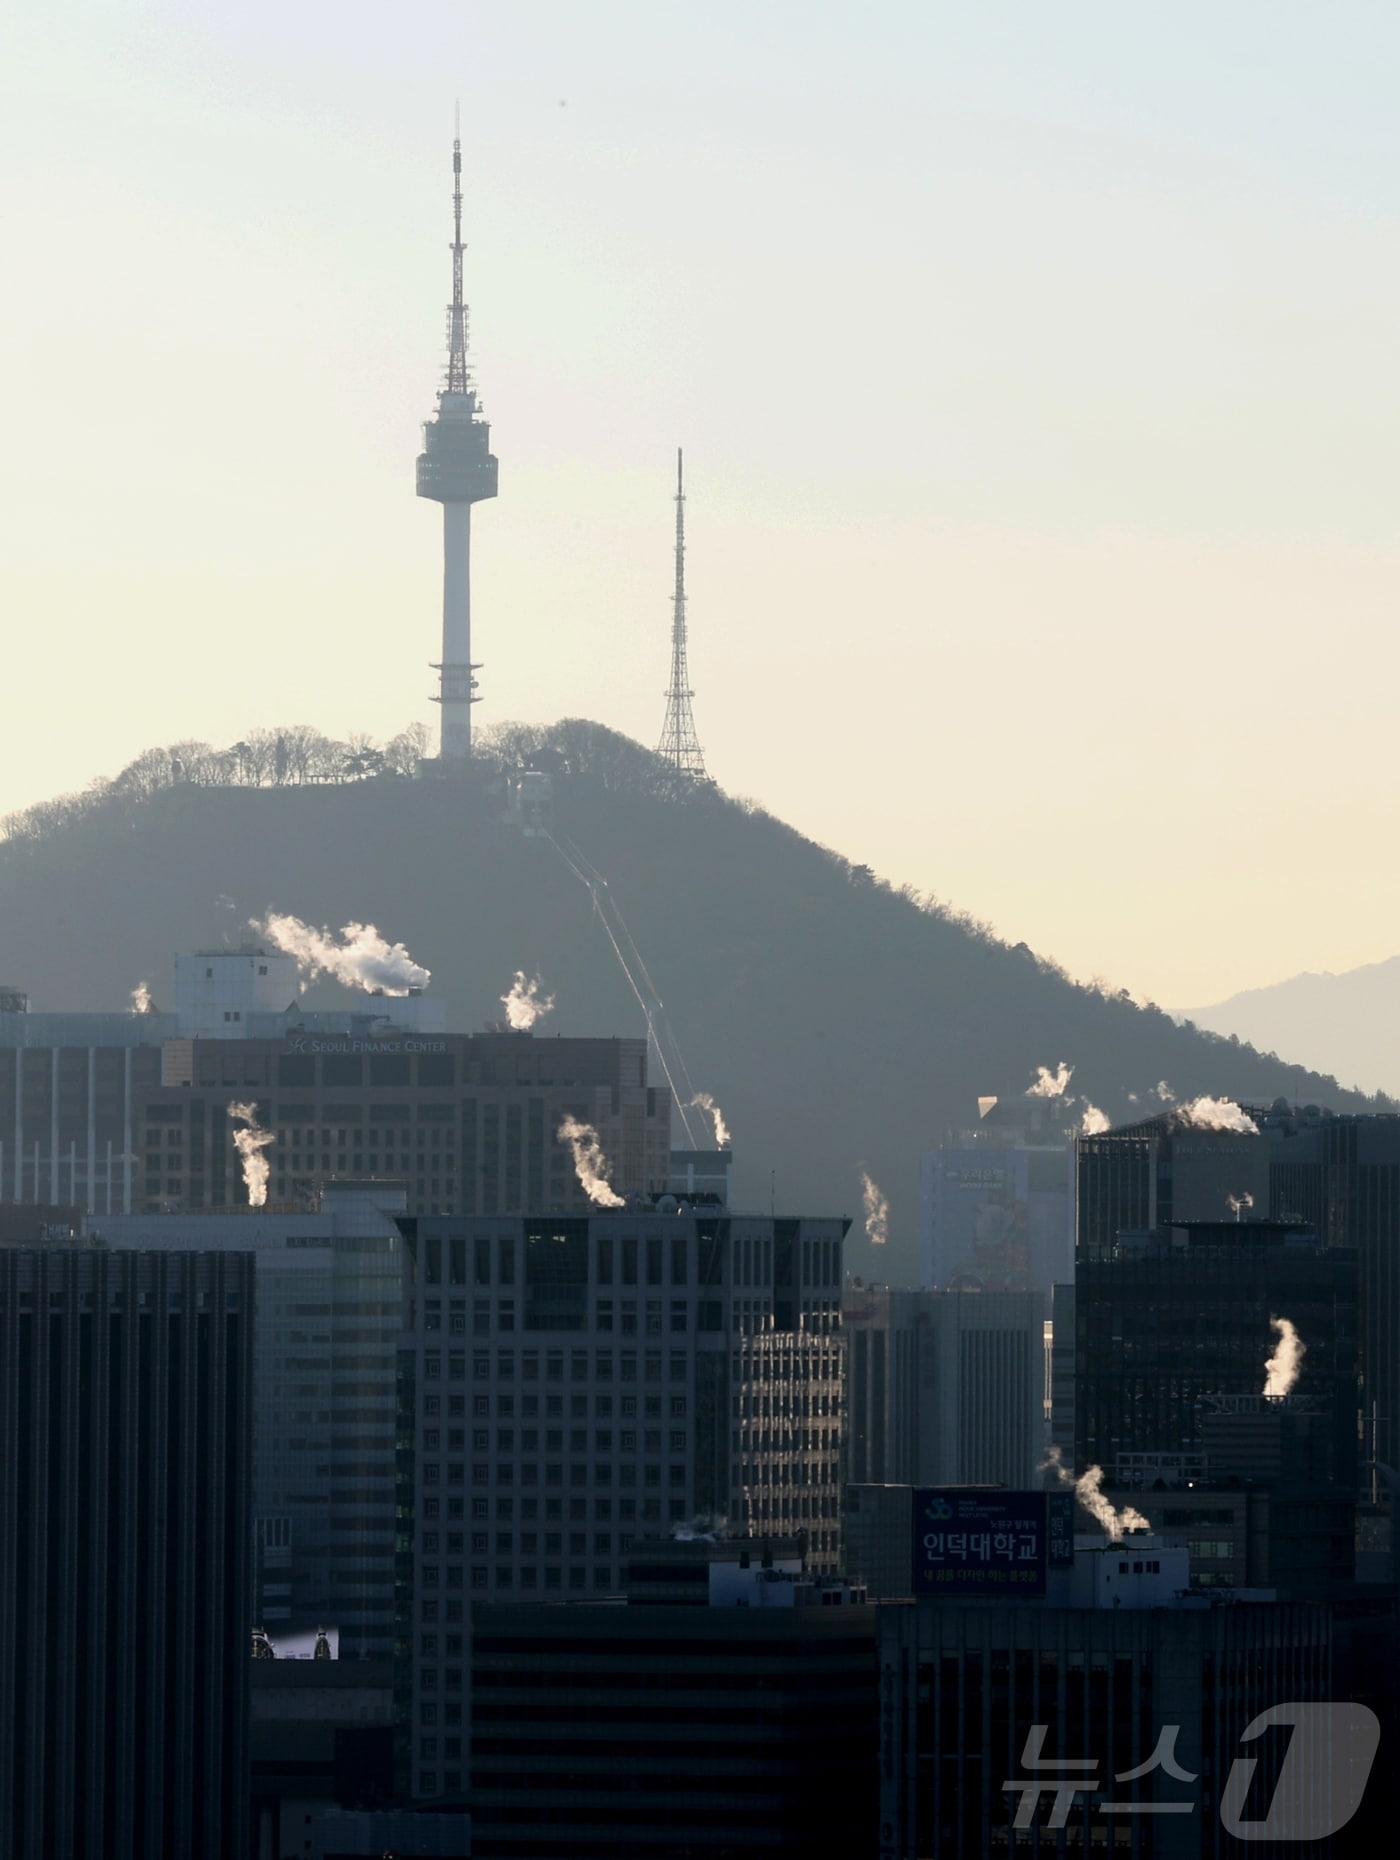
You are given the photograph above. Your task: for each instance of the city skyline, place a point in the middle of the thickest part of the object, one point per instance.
(925, 411)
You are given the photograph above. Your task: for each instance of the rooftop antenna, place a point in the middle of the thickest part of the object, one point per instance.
(680, 745)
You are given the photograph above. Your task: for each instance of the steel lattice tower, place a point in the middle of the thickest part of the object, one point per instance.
(680, 744)
(456, 469)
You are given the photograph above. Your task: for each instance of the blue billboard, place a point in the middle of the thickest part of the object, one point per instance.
(972, 1541)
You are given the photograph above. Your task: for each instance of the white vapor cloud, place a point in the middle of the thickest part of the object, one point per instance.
(141, 1002)
(1283, 1368)
(877, 1211)
(250, 1143)
(590, 1164)
(1239, 1204)
(359, 957)
(1217, 1114)
(1088, 1489)
(524, 1004)
(702, 1101)
(1093, 1123)
(1050, 1084)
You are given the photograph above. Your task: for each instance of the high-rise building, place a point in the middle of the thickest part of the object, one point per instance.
(457, 469)
(1164, 1171)
(996, 1201)
(1107, 1717)
(1167, 1324)
(943, 1388)
(329, 1295)
(470, 1122)
(572, 1384)
(73, 1086)
(740, 1720)
(1342, 1176)
(125, 1408)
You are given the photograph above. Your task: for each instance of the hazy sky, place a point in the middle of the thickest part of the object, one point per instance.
(1036, 367)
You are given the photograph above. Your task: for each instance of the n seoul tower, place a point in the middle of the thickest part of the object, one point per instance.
(456, 469)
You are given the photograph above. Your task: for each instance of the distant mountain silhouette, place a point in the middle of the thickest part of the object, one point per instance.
(841, 1024)
(1350, 1022)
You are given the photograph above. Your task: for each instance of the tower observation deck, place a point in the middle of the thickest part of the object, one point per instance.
(456, 469)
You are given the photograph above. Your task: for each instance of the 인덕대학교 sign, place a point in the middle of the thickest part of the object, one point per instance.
(984, 1541)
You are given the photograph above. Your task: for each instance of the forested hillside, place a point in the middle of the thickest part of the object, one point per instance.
(841, 1024)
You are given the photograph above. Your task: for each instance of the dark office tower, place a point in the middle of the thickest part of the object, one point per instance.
(1342, 1176)
(1149, 1176)
(125, 1398)
(1170, 1323)
(983, 1701)
(728, 1711)
(569, 1385)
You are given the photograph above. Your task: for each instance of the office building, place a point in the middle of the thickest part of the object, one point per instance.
(321, 1738)
(739, 1721)
(571, 1384)
(944, 1388)
(1163, 1171)
(329, 1296)
(73, 1086)
(125, 1406)
(468, 1121)
(1118, 1652)
(1341, 1175)
(996, 1200)
(1169, 1323)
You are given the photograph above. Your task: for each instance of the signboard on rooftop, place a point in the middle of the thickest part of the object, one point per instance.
(972, 1542)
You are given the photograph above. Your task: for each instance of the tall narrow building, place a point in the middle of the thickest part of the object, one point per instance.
(125, 1409)
(456, 469)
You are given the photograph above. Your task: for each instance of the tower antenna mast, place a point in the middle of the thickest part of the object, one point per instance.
(457, 311)
(680, 744)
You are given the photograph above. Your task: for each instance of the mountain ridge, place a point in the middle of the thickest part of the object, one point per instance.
(842, 1024)
(1348, 1018)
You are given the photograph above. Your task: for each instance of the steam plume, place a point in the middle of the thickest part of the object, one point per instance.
(250, 1144)
(524, 1005)
(1217, 1114)
(360, 958)
(877, 1212)
(1283, 1367)
(704, 1102)
(141, 1002)
(1093, 1123)
(1164, 1092)
(590, 1164)
(704, 1529)
(1088, 1489)
(1239, 1204)
(1050, 1084)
